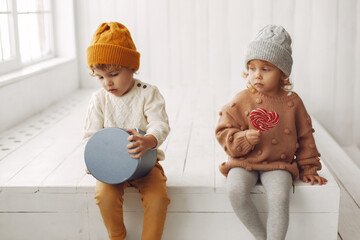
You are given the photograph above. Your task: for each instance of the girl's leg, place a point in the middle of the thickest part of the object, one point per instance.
(239, 184)
(277, 184)
(155, 200)
(110, 201)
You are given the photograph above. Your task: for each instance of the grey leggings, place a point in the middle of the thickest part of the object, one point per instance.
(277, 185)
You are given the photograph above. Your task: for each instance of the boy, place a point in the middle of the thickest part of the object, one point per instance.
(128, 103)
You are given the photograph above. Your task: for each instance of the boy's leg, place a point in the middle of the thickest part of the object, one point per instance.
(277, 184)
(155, 200)
(110, 200)
(239, 183)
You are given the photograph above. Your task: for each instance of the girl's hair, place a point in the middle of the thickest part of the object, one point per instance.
(285, 82)
(106, 68)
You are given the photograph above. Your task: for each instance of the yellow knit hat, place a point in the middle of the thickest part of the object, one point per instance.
(112, 44)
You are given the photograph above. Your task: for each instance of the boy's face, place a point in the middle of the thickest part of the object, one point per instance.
(116, 82)
(265, 77)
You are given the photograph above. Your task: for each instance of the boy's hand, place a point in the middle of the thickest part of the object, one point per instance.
(253, 136)
(313, 178)
(140, 143)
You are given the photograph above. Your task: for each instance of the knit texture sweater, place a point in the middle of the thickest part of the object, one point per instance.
(288, 146)
(143, 107)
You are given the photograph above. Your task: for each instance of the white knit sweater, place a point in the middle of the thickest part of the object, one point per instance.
(143, 107)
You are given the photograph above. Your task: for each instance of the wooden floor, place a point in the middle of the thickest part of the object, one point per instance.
(192, 114)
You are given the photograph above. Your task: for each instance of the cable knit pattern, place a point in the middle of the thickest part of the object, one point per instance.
(143, 107)
(290, 145)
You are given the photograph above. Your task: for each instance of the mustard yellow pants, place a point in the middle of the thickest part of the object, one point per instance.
(154, 198)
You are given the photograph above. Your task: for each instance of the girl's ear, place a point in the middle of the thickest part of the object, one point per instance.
(283, 77)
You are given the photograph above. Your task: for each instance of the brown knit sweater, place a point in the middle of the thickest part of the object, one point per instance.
(289, 145)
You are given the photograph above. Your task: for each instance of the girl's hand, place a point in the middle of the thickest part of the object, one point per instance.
(253, 136)
(313, 178)
(87, 171)
(139, 143)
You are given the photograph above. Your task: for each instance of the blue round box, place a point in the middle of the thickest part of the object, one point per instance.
(107, 159)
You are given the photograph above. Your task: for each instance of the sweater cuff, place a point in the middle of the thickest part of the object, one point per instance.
(241, 145)
(156, 134)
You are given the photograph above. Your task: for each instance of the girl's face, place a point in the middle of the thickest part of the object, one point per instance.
(116, 82)
(265, 77)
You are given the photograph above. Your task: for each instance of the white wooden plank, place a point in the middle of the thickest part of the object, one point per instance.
(13, 138)
(142, 39)
(240, 26)
(67, 175)
(283, 14)
(187, 38)
(345, 170)
(158, 41)
(87, 184)
(218, 40)
(302, 225)
(178, 226)
(173, 99)
(15, 202)
(14, 163)
(301, 76)
(201, 42)
(346, 71)
(262, 15)
(42, 165)
(199, 170)
(175, 47)
(349, 218)
(42, 226)
(204, 114)
(357, 82)
(123, 12)
(41, 132)
(220, 179)
(175, 158)
(185, 115)
(311, 199)
(354, 153)
(83, 37)
(322, 39)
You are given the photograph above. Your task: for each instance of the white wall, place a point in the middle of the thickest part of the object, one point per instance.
(187, 42)
(32, 94)
(28, 91)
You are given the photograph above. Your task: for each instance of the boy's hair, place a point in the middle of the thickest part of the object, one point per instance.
(106, 68)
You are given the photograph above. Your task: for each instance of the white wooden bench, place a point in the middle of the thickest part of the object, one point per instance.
(45, 193)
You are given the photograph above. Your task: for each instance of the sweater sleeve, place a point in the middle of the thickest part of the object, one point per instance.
(307, 155)
(156, 116)
(230, 133)
(94, 120)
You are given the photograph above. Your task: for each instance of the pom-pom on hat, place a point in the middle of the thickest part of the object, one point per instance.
(272, 44)
(112, 44)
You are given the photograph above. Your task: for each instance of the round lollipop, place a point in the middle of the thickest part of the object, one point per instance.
(107, 159)
(263, 120)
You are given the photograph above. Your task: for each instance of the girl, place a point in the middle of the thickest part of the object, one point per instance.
(278, 147)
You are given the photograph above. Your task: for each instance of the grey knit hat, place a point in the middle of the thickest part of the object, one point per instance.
(272, 44)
